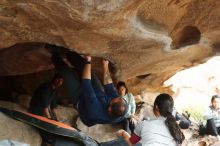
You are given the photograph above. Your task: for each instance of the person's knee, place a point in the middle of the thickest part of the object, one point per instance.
(210, 123)
(210, 120)
(184, 125)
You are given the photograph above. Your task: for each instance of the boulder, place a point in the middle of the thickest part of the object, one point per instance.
(23, 100)
(12, 106)
(67, 115)
(14, 130)
(99, 132)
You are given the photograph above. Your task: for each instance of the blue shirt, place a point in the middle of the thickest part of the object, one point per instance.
(93, 104)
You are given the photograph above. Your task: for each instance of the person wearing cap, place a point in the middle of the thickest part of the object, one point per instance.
(44, 99)
(95, 103)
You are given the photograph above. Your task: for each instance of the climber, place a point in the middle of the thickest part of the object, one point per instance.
(95, 104)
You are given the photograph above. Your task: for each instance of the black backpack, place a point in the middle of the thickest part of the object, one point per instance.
(202, 129)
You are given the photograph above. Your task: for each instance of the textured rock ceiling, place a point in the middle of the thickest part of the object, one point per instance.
(147, 40)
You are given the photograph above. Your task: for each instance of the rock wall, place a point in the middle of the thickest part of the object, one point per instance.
(14, 130)
(147, 41)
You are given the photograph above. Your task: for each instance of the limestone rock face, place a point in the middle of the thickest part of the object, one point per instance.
(17, 131)
(12, 106)
(99, 132)
(147, 41)
(67, 115)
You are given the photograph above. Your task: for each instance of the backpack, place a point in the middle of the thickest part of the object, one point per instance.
(202, 129)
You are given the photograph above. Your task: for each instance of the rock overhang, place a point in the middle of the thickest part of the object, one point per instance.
(148, 41)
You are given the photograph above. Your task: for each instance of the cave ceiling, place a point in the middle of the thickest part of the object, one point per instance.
(147, 41)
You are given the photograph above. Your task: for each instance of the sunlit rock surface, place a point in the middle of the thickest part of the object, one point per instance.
(12, 106)
(100, 132)
(147, 41)
(194, 87)
(14, 130)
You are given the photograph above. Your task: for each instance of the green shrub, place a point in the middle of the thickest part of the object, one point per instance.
(196, 112)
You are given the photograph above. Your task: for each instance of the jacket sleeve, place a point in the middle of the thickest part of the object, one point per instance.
(133, 104)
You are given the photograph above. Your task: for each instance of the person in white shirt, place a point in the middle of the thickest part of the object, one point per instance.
(161, 131)
(212, 115)
(130, 119)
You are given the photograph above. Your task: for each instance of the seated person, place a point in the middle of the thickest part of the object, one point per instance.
(212, 115)
(43, 102)
(94, 105)
(130, 119)
(162, 131)
(182, 120)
